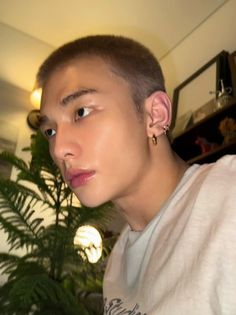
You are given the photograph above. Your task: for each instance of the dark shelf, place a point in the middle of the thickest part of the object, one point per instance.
(213, 155)
(207, 129)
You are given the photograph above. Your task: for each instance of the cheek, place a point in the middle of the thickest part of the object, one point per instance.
(117, 147)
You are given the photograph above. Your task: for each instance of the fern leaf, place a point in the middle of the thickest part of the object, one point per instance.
(39, 289)
(8, 262)
(16, 212)
(14, 160)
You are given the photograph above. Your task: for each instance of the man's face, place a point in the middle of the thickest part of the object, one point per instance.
(96, 137)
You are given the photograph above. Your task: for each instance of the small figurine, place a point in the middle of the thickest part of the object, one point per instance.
(227, 128)
(223, 96)
(205, 145)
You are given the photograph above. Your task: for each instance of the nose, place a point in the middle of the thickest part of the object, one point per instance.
(65, 145)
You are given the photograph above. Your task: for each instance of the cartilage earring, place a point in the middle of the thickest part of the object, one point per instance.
(166, 128)
(154, 140)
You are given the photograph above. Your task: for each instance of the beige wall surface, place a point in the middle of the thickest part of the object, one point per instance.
(215, 34)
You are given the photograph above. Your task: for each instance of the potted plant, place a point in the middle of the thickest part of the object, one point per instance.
(50, 277)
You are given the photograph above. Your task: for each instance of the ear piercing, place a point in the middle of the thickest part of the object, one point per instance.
(154, 140)
(166, 128)
(154, 137)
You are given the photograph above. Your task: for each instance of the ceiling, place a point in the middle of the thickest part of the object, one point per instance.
(30, 30)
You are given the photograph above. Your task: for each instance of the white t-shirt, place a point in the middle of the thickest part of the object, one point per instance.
(184, 261)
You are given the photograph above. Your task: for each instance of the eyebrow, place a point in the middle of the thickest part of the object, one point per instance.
(42, 119)
(77, 94)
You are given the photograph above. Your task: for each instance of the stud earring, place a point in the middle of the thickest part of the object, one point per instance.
(154, 140)
(166, 128)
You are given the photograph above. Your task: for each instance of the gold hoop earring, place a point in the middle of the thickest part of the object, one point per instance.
(154, 140)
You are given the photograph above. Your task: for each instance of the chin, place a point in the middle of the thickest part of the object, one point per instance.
(91, 201)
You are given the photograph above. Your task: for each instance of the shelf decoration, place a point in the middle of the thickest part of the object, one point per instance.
(223, 96)
(205, 145)
(227, 128)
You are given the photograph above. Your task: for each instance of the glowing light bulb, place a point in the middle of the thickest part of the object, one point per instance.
(35, 97)
(89, 239)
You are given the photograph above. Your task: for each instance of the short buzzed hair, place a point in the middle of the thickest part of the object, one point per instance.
(128, 59)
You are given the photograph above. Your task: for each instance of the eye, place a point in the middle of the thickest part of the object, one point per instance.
(82, 112)
(49, 133)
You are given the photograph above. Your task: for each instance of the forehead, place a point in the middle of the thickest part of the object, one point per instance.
(83, 72)
(84, 68)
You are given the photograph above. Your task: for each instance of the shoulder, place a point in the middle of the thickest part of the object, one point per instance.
(210, 191)
(226, 163)
(217, 190)
(220, 174)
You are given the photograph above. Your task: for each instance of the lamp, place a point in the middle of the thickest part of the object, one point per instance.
(33, 116)
(35, 97)
(89, 239)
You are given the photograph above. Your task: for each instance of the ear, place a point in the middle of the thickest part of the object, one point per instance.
(158, 113)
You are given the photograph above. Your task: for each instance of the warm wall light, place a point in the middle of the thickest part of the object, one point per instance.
(35, 97)
(89, 239)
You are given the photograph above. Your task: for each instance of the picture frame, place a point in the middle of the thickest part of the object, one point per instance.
(182, 124)
(204, 111)
(232, 63)
(198, 92)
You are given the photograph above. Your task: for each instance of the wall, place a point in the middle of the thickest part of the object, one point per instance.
(14, 107)
(215, 34)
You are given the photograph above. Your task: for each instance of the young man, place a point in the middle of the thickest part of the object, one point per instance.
(105, 113)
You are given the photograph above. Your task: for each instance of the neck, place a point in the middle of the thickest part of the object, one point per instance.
(153, 189)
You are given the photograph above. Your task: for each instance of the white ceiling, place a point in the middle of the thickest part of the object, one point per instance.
(29, 30)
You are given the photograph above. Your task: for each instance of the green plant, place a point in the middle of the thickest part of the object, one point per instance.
(50, 277)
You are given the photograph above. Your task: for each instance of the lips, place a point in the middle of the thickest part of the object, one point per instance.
(77, 178)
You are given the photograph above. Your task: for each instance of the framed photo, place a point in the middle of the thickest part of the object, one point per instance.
(198, 93)
(204, 111)
(232, 63)
(8, 141)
